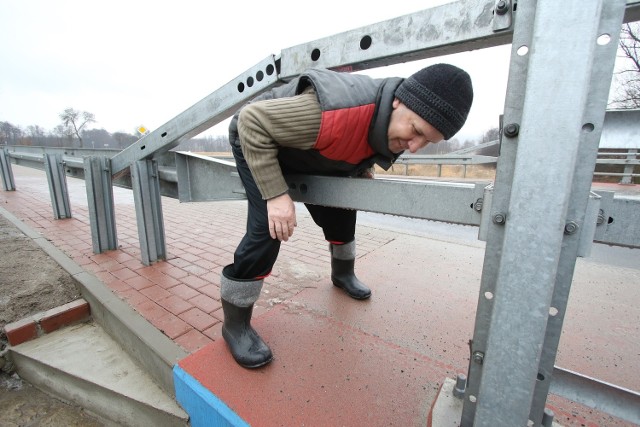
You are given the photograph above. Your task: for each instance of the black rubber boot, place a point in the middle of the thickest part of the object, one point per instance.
(246, 346)
(343, 276)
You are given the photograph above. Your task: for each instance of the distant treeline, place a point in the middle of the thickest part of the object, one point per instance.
(100, 138)
(95, 138)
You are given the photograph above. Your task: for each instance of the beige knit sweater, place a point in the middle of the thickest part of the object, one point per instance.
(265, 126)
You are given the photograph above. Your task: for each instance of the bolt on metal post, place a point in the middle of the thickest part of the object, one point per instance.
(461, 386)
(502, 7)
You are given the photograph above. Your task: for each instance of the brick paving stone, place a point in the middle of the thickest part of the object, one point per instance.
(184, 291)
(176, 273)
(176, 305)
(163, 280)
(156, 293)
(196, 270)
(212, 291)
(193, 340)
(194, 282)
(124, 274)
(214, 332)
(119, 286)
(205, 303)
(171, 325)
(198, 318)
(139, 282)
(150, 310)
(133, 297)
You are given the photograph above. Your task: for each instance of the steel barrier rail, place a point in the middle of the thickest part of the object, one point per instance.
(512, 222)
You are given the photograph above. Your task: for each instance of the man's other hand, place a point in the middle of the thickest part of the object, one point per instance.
(282, 217)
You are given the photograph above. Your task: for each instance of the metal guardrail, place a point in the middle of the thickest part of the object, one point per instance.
(529, 259)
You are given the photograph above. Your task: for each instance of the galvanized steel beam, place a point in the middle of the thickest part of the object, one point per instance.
(102, 217)
(209, 111)
(435, 200)
(54, 168)
(443, 30)
(557, 92)
(5, 169)
(148, 203)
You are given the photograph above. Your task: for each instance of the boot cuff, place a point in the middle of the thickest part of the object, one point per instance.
(241, 293)
(343, 252)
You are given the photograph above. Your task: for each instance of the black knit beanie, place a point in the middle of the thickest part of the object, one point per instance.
(441, 94)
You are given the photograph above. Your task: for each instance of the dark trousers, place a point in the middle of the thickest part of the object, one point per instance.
(257, 251)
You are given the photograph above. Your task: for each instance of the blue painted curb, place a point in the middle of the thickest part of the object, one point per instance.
(203, 407)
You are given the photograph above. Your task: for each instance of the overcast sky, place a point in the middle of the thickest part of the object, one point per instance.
(140, 62)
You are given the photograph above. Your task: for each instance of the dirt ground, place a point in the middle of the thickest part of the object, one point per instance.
(31, 282)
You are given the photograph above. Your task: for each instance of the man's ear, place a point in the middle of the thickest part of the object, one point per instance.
(396, 103)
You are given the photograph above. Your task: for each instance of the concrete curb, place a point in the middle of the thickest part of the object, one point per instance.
(149, 347)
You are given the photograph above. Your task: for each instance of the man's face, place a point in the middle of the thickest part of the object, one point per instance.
(409, 131)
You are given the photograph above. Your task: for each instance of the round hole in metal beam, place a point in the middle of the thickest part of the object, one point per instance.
(315, 54)
(270, 69)
(603, 39)
(259, 76)
(365, 42)
(240, 87)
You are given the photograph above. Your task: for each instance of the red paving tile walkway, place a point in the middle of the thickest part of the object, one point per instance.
(422, 312)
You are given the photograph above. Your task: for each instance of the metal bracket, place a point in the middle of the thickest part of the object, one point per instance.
(202, 178)
(503, 14)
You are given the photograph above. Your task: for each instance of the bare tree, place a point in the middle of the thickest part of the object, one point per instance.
(627, 76)
(76, 120)
(9, 134)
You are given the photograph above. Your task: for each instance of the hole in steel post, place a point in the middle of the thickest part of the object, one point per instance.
(540, 377)
(365, 42)
(250, 81)
(315, 54)
(143, 147)
(292, 185)
(240, 87)
(303, 188)
(610, 220)
(259, 76)
(163, 134)
(603, 39)
(523, 50)
(553, 311)
(588, 127)
(270, 69)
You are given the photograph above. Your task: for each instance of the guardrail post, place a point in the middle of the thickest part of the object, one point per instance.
(7, 174)
(102, 219)
(529, 258)
(628, 169)
(57, 179)
(146, 195)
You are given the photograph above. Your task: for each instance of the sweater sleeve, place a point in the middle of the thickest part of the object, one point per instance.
(265, 126)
